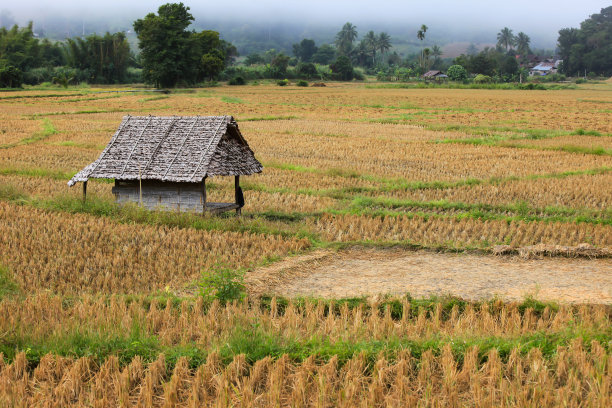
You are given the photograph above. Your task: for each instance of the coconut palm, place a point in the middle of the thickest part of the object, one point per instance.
(505, 38)
(421, 36)
(522, 43)
(384, 42)
(345, 38)
(372, 43)
(426, 62)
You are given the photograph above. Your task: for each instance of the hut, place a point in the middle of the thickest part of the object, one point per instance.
(437, 76)
(163, 162)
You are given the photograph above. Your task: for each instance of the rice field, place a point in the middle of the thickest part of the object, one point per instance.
(97, 304)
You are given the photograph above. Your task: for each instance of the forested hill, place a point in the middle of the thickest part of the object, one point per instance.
(254, 36)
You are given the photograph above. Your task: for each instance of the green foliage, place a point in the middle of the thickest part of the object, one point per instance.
(342, 68)
(282, 82)
(302, 83)
(505, 38)
(588, 47)
(279, 65)
(237, 80)
(105, 59)
(8, 287)
(212, 64)
(253, 59)
(164, 43)
(345, 38)
(171, 54)
(456, 73)
(482, 79)
(324, 55)
(305, 50)
(306, 70)
(223, 283)
(21, 50)
(10, 77)
(63, 79)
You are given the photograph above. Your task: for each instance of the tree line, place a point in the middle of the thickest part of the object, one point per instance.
(172, 55)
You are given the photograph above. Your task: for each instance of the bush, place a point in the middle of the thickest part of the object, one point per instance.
(456, 73)
(10, 77)
(580, 81)
(237, 80)
(223, 283)
(282, 82)
(302, 83)
(306, 70)
(482, 79)
(342, 69)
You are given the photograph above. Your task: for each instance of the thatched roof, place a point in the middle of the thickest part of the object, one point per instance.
(176, 148)
(431, 74)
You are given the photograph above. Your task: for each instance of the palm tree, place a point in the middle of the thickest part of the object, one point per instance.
(505, 38)
(384, 42)
(361, 53)
(372, 43)
(421, 32)
(522, 43)
(421, 36)
(345, 38)
(426, 54)
(436, 53)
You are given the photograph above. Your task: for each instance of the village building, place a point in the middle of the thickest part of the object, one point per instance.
(435, 76)
(163, 162)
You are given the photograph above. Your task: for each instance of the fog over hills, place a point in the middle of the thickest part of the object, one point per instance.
(257, 26)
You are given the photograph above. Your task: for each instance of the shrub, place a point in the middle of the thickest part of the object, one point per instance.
(306, 70)
(302, 83)
(10, 77)
(282, 82)
(342, 68)
(482, 79)
(580, 81)
(456, 73)
(237, 80)
(223, 283)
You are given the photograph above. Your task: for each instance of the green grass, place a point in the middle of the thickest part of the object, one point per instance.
(36, 96)
(8, 287)
(455, 85)
(153, 98)
(255, 340)
(518, 211)
(47, 130)
(267, 117)
(231, 99)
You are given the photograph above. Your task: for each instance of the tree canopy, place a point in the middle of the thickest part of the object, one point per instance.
(588, 48)
(171, 54)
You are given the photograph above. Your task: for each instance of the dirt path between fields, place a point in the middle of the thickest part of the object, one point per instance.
(359, 272)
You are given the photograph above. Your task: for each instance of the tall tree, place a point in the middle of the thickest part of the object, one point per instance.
(589, 47)
(371, 42)
(522, 43)
(164, 43)
(436, 53)
(305, 50)
(105, 59)
(384, 43)
(345, 38)
(505, 38)
(421, 36)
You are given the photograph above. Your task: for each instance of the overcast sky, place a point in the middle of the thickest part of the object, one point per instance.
(537, 18)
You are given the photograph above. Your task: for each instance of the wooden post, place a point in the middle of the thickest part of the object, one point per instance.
(238, 195)
(204, 195)
(84, 190)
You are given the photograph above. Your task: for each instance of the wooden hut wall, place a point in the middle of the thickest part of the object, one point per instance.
(187, 197)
